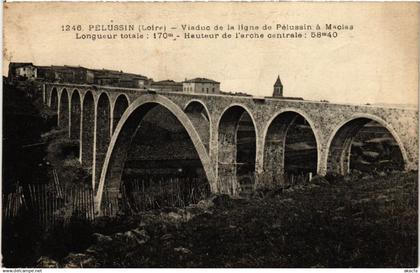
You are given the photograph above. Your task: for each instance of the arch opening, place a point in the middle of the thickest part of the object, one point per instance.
(236, 152)
(88, 115)
(121, 104)
(199, 116)
(64, 118)
(54, 104)
(290, 152)
(153, 164)
(364, 145)
(75, 115)
(103, 134)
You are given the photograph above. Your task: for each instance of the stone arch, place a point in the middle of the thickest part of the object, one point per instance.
(120, 105)
(102, 134)
(53, 104)
(87, 130)
(275, 138)
(63, 111)
(75, 115)
(199, 115)
(124, 134)
(339, 144)
(229, 161)
(53, 99)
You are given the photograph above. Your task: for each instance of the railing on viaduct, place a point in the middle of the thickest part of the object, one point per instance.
(104, 120)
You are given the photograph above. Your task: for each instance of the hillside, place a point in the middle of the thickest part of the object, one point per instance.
(352, 222)
(23, 147)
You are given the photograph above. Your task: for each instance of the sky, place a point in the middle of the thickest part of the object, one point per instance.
(376, 62)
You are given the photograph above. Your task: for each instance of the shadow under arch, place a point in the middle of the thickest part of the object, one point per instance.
(277, 147)
(87, 129)
(64, 111)
(199, 115)
(102, 134)
(339, 145)
(123, 136)
(236, 150)
(53, 99)
(53, 104)
(120, 105)
(75, 115)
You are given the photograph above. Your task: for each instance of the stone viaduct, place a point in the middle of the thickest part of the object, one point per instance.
(105, 120)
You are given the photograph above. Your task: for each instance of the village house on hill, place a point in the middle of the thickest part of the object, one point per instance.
(167, 85)
(201, 85)
(119, 79)
(77, 75)
(22, 71)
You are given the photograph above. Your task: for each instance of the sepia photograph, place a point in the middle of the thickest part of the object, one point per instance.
(210, 135)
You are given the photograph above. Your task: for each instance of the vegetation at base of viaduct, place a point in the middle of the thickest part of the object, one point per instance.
(32, 147)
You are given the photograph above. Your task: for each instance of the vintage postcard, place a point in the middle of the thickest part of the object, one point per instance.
(210, 135)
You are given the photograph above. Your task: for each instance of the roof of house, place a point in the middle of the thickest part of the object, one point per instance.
(119, 73)
(76, 67)
(201, 80)
(166, 82)
(17, 65)
(107, 76)
(134, 75)
(59, 67)
(43, 67)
